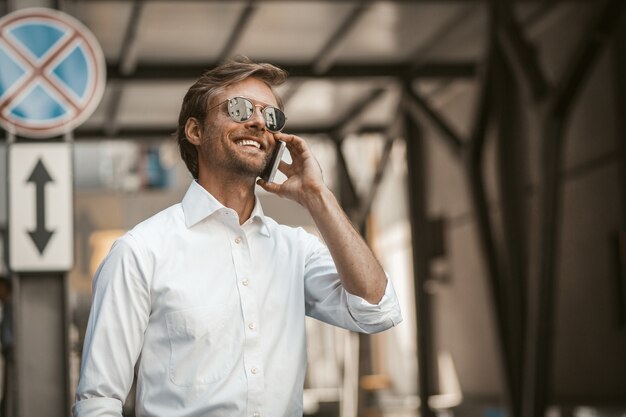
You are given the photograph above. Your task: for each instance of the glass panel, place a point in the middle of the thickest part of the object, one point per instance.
(291, 31)
(185, 31)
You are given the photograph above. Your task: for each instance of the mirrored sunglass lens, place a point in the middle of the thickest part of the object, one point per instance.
(274, 118)
(240, 109)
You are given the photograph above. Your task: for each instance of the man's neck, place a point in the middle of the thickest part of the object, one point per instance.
(234, 194)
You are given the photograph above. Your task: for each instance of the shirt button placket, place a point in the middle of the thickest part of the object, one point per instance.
(251, 353)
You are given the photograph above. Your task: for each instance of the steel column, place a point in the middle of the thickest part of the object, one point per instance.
(619, 69)
(416, 164)
(470, 152)
(557, 110)
(510, 181)
(519, 51)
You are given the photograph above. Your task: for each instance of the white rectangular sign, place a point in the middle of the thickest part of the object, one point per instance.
(40, 207)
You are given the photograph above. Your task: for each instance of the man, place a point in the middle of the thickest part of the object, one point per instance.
(206, 300)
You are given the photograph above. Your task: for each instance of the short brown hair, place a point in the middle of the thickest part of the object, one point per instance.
(210, 84)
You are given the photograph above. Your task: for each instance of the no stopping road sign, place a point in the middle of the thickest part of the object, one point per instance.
(52, 73)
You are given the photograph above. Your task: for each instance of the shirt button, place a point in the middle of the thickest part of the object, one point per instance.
(245, 282)
(237, 240)
(251, 325)
(254, 371)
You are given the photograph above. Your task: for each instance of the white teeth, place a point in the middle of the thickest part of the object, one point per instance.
(246, 142)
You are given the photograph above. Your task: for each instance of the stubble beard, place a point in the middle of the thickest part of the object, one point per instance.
(227, 159)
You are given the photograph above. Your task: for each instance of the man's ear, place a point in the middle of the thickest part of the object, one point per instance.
(193, 131)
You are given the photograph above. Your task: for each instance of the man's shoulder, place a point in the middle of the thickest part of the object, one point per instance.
(159, 225)
(295, 234)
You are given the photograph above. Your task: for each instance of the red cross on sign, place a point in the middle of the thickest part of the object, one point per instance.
(52, 73)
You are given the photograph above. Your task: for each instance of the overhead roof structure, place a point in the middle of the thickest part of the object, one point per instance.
(353, 65)
(340, 50)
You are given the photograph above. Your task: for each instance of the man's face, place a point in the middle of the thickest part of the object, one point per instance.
(237, 149)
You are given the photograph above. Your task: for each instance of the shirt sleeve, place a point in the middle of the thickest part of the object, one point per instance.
(328, 301)
(117, 321)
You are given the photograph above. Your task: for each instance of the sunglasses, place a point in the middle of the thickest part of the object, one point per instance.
(240, 110)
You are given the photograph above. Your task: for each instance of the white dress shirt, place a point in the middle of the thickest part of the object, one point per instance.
(210, 314)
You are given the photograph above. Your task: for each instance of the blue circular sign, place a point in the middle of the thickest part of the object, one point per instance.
(52, 73)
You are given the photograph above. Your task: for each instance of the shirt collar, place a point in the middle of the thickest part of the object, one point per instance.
(198, 204)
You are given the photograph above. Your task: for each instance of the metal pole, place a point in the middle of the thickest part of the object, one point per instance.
(41, 325)
(510, 176)
(619, 69)
(417, 209)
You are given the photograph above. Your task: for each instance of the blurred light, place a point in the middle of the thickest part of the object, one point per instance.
(101, 242)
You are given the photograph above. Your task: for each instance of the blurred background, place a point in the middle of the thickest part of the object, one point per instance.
(479, 146)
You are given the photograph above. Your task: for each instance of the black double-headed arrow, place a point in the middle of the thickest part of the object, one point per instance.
(40, 236)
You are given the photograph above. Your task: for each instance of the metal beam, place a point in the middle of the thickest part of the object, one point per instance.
(585, 56)
(351, 196)
(351, 116)
(462, 15)
(127, 64)
(350, 1)
(164, 132)
(348, 195)
(521, 54)
(128, 52)
(238, 31)
(367, 202)
(452, 138)
(324, 59)
(183, 71)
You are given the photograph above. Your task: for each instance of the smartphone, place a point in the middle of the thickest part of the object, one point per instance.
(270, 171)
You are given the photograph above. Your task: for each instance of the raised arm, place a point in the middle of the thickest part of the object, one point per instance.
(359, 271)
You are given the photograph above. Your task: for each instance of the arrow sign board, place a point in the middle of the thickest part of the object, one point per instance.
(40, 207)
(52, 73)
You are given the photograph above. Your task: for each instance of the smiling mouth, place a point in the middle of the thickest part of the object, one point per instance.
(247, 142)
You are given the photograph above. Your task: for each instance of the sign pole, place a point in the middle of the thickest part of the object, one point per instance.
(53, 79)
(40, 242)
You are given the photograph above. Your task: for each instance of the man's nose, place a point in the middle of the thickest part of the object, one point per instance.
(256, 119)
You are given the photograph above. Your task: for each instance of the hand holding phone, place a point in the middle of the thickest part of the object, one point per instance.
(270, 170)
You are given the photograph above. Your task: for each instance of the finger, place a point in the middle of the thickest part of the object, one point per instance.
(270, 187)
(285, 168)
(285, 137)
(293, 142)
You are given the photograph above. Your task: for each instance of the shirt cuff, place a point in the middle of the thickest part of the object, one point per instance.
(382, 316)
(97, 406)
